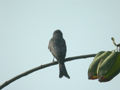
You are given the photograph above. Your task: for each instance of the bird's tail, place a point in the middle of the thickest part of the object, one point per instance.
(63, 71)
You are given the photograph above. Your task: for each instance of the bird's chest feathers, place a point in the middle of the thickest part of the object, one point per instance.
(58, 43)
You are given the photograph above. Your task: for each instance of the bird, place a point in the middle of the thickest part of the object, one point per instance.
(117, 45)
(57, 47)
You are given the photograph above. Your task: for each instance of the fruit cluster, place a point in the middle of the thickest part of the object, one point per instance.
(105, 66)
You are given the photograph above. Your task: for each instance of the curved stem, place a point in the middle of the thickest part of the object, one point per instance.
(6, 83)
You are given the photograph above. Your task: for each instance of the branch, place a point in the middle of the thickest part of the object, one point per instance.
(41, 67)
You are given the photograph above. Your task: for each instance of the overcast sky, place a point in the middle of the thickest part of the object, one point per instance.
(26, 27)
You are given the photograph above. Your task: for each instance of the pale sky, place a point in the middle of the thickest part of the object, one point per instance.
(26, 27)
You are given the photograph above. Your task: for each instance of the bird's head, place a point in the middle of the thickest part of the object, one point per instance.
(57, 34)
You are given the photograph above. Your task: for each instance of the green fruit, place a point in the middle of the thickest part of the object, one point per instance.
(110, 67)
(92, 71)
(102, 60)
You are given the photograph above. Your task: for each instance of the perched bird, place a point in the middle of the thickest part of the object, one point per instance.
(57, 47)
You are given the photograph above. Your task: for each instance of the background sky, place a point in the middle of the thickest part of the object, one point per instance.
(26, 27)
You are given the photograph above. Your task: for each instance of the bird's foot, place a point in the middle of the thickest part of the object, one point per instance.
(53, 60)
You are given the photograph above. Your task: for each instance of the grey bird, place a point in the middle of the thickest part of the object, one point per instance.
(57, 47)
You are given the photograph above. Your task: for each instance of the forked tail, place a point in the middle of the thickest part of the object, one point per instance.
(63, 71)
